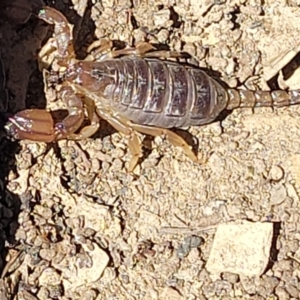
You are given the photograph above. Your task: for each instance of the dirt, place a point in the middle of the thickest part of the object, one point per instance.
(76, 225)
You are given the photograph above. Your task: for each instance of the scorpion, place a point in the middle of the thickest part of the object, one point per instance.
(135, 89)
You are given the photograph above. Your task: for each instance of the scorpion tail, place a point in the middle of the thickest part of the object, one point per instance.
(243, 98)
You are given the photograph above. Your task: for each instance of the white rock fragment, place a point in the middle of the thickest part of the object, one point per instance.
(85, 275)
(242, 248)
(49, 277)
(276, 173)
(171, 294)
(102, 221)
(161, 17)
(80, 6)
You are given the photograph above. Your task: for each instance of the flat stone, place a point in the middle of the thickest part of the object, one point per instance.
(241, 248)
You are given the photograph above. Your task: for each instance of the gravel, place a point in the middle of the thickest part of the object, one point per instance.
(75, 225)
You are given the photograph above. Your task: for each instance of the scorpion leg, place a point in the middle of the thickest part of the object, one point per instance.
(162, 54)
(128, 128)
(172, 137)
(87, 131)
(134, 143)
(104, 44)
(103, 48)
(142, 49)
(122, 125)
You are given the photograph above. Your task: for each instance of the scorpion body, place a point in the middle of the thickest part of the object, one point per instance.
(134, 90)
(168, 94)
(154, 92)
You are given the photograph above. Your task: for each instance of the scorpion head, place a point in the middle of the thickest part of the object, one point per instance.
(73, 73)
(54, 77)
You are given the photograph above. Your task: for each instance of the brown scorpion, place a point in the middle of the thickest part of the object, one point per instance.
(134, 90)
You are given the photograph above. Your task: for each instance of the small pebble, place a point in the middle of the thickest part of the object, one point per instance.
(276, 173)
(188, 243)
(230, 277)
(282, 294)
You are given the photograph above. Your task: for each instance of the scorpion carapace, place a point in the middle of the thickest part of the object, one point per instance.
(135, 90)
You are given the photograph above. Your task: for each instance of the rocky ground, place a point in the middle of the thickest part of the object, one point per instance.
(76, 225)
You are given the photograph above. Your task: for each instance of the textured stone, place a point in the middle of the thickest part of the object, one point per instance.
(241, 248)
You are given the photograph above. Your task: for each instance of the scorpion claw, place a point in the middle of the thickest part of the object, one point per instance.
(32, 124)
(40, 125)
(62, 30)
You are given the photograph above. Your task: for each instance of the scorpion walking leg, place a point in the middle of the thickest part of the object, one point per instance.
(122, 125)
(134, 143)
(128, 128)
(103, 49)
(172, 137)
(162, 54)
(142, 49)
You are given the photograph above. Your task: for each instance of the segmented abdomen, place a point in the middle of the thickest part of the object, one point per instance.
(164, 94)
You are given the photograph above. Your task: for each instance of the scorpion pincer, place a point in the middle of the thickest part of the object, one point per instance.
(134, 90)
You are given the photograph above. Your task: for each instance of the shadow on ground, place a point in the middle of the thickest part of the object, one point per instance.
(18, 46)
(21, 86)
